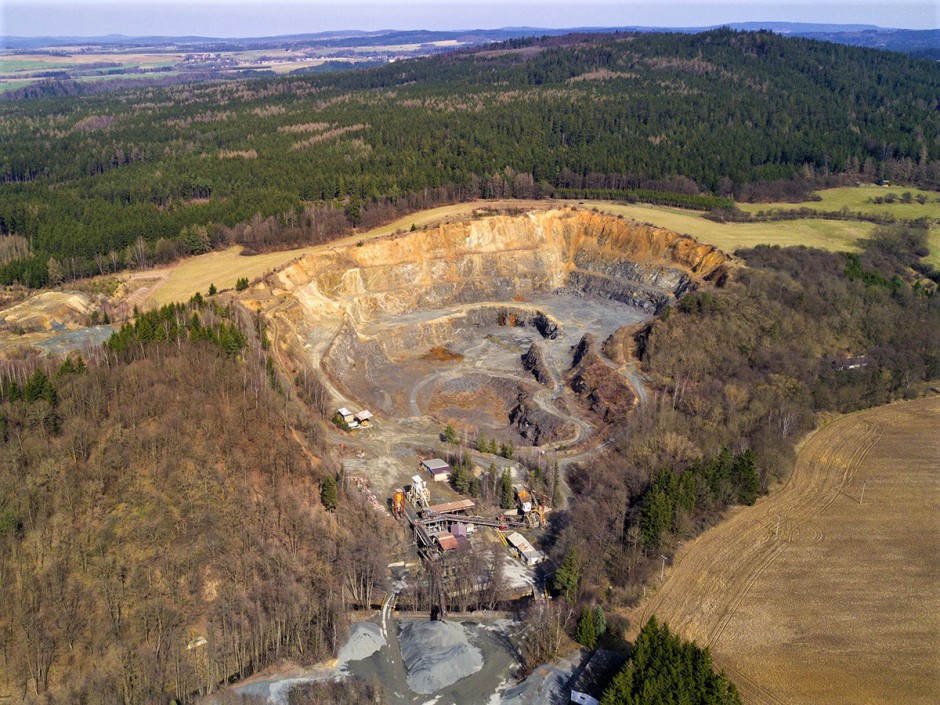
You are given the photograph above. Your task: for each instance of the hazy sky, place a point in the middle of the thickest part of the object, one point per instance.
(247, 18)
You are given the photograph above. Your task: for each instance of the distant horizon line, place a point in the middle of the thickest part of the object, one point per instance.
(752, 24)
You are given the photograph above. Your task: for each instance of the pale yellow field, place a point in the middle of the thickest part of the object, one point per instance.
(288, 66)
(220, 268)
(834, 235)
(838, 602)
(856, 198)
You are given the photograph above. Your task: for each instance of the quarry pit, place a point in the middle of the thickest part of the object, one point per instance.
(514, 327)
(503, 325)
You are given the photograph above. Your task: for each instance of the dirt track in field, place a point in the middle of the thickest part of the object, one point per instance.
(841, 603)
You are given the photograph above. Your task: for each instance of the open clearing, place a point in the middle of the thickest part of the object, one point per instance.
(856, 198)
(220, 268)
(833, 235)
(841, 605)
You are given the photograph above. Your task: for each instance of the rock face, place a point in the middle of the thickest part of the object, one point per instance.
(534, 362)
(602, 388)
(361, 309)
(546, 327)
(537, 425)
(586, 346)
(500, 259)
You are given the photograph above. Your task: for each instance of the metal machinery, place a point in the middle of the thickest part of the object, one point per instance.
(531, 511)
(418, 494)
(523, 499)
(398, 503)
(535, 518)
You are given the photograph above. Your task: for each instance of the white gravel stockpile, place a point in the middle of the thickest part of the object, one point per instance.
(437, 654)
(365, 638)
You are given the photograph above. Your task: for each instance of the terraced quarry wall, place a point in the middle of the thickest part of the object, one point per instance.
(368, 312)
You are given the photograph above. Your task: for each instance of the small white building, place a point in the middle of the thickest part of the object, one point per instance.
(345, 414)
(437, 468)
(364, 418)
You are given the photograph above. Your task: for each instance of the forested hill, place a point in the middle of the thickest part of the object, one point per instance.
(694, 114)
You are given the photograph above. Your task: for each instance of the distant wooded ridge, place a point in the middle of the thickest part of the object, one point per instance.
(921, 42)
(293, 160)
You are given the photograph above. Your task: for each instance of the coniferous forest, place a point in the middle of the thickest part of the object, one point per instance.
(663, 669)
(685, 119)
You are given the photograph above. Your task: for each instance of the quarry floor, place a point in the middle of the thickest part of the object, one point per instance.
(475, 390)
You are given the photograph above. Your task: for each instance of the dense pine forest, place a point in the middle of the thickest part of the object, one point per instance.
(664, 669)
(95, 183)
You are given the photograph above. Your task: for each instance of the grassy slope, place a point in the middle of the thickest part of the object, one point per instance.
(856, 198)
(933, 242)
(834, 235)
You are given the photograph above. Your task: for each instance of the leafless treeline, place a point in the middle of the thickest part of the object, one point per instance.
(472, 578)
(169, 536)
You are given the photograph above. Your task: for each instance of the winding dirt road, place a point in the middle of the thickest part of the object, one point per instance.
(816, 594)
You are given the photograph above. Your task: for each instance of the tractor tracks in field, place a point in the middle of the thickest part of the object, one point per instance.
(714, 574)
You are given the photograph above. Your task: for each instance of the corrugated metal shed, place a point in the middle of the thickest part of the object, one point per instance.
(438, 468)
(455, 507)
(519, 542)
(447, 541)
(526, 550)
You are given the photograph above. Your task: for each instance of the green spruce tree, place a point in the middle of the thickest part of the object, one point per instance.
(506, 498)
(329, 495)
(745, 478)
(568, 576)
(460, 478)
(600, 622)
(586, 634)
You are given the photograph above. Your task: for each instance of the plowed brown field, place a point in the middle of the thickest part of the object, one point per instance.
(842, 603)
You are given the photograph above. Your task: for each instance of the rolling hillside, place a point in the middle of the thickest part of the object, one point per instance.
(677, 119)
